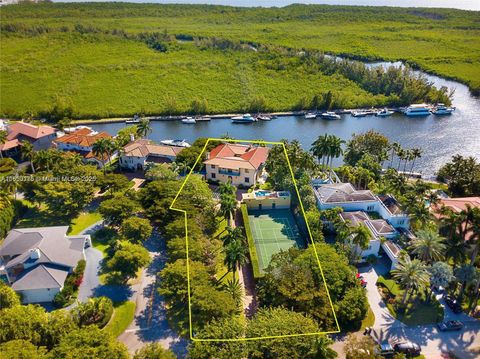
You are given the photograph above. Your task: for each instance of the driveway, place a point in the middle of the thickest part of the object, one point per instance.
(150, 323)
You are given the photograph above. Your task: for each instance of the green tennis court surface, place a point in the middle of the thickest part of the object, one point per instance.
(273, 231)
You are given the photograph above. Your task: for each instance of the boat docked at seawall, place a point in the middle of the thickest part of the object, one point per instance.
(441, 109)
(384, 113)
(310, 115)
(189, 120)
(264, 118)
(177, 143)
(360, 113)
(246, 118)
(135, 119)
(330, 116)
(417, 110)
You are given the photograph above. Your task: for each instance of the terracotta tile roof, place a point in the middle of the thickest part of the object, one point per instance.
(9, 145)
(145, 148)
(234, 156)
(83, 137)
(28, 130)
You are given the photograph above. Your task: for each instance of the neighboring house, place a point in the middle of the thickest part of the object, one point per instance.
(457, 205)
(242, 165)
(137, 154)
(344, 195)
(261, 199)
(40, 137)
(81, 141)
(380, 231)
(36, 261)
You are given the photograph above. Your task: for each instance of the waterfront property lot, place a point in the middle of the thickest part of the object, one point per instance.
(273, 231)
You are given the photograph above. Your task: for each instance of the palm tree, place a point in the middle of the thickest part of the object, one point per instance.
(227, 189)
(233, 235)
(182, 167)
(228, 205)
(429, 246)
(408, 157)
(360, 237)
(144, 128)
(28, 153)
(411, 274)
(335, 149)
(234, 288)
(395, 147)
(3, 140)
(465, 274)
(320, 148)
(46, 158)
(401, 156)
(235, 256)
(416, 153)
(101, 149)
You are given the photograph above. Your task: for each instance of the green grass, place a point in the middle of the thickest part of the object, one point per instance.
(121, 319)
(83, 221)
(369, 320)
(419, 311)
(221, 270)
(99, 73)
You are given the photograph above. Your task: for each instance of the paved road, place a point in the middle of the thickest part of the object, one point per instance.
(150, 323)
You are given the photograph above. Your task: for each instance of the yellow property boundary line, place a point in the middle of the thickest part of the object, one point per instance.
(187, 254)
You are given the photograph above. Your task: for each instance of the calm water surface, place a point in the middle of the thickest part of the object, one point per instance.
(440, 137)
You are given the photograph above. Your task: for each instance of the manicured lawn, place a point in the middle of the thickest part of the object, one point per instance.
(369, 320)
(419, 311)
(83, 221)
(38, 217)
(121, 318)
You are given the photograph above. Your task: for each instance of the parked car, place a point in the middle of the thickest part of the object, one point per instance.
(408, 348)
(453, 304)
(385, 350)
(450, 325)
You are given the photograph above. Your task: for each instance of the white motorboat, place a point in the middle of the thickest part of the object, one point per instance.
(178, 143)
(329, 115)
(310, 116)
(264, 118)
(135, 119)
(246, 118)
(417, 110)
(384, 113)
(189, 120)
(441, 109)
(359, 113)
(203, 119)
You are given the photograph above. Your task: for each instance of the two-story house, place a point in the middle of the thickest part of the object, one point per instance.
(81, 141)
(138, 153)
(40, 137)
(37, 261)
(242, 165)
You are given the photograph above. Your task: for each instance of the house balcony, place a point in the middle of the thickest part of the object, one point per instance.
(226, 172)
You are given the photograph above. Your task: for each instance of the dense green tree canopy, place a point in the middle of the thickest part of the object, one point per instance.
(369, 143)
(136, 229)
(128, 259)
(117, 209)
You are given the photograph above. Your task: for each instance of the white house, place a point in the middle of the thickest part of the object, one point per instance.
(37, 261)
(345, 196)
(137, 154)
(242, 165)
(261, 199)
(81, 141)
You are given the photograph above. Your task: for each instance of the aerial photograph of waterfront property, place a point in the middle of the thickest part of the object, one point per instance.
(237, 179)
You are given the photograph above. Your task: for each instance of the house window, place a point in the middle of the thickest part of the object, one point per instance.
(213, 167)
(246, 171)
(247, 180)
(214, 175)
(370, 208)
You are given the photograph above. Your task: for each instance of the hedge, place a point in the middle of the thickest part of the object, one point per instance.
(251, 243)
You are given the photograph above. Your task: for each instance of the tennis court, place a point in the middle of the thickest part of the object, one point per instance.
(273, 231)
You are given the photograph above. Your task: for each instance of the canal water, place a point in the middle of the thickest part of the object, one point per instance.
(439, 137)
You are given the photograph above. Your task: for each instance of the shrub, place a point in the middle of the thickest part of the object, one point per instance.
(7, 164)
(251, 243)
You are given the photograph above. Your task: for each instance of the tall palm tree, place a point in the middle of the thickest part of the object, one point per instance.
(429, 246)
(227, 189)
(408, 157)
(101, 149)
(320, 148)
(182, 167)
(401, 153)
(3, 140)
(465, 274)
(416, 153)
(234, 288)
(235, 256)
(228, 205)
(233, 235)
(46, 159)
(335, 149)
(395, 147)
(411, 274)
(144, 127)
(360, 237)
(28, 153)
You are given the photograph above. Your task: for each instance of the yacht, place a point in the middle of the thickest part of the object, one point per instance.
(264, 118)
(203, 119)
(189, 120)
(135, 119)
(384, 113)
(247, 118)
(330, 116)
(310, 115)
(441, 109)
(417, 110)
(178, 143)
(359, 113)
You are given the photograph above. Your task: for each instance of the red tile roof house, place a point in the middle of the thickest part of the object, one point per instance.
(40, 137)
(137, 154)
(242, 165)
(81, 141)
